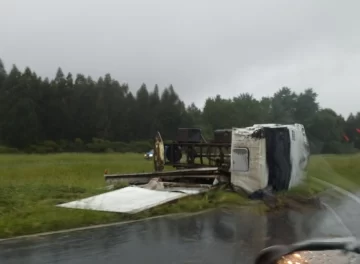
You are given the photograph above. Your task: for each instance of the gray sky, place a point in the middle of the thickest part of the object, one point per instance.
(202, 47)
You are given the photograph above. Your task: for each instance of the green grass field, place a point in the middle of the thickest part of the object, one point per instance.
(341, 170)
(32, 184)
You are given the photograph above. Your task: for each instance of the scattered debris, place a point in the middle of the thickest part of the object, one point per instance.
(134, 199)
(154, 184)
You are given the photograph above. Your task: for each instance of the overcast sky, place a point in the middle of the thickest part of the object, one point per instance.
(202, 47)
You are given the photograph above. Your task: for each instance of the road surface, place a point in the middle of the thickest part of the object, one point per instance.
(220, 236)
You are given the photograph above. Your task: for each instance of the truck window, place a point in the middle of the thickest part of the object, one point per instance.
(240, 159)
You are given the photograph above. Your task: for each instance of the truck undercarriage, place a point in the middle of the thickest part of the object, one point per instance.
(193, 158)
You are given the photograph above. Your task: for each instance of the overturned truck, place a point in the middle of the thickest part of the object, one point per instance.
(269, 156)
(250, 159)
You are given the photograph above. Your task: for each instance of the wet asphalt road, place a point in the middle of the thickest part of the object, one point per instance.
(219, 236)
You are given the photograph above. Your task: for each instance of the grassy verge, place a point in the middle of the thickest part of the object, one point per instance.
(340, 170)
(32, 184)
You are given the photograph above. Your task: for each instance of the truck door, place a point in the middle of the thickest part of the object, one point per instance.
(240, 159)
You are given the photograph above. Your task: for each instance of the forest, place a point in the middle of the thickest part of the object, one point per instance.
(75, 113)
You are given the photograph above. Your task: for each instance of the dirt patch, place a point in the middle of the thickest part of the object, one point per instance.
(293, 202)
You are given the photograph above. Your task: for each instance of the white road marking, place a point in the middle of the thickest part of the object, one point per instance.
(340, 190)
(338, 218)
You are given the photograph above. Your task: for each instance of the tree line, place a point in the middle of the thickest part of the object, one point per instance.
(78, 113)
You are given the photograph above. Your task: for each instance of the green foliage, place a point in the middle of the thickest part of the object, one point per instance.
(96, 146)
(67, 113)
(4, 150)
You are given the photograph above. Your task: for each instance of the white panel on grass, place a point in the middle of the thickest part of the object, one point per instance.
(130, 199)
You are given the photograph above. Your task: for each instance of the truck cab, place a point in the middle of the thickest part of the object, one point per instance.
(268, 156)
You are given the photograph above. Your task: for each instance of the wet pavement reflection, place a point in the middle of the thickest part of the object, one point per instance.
(219, 236)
